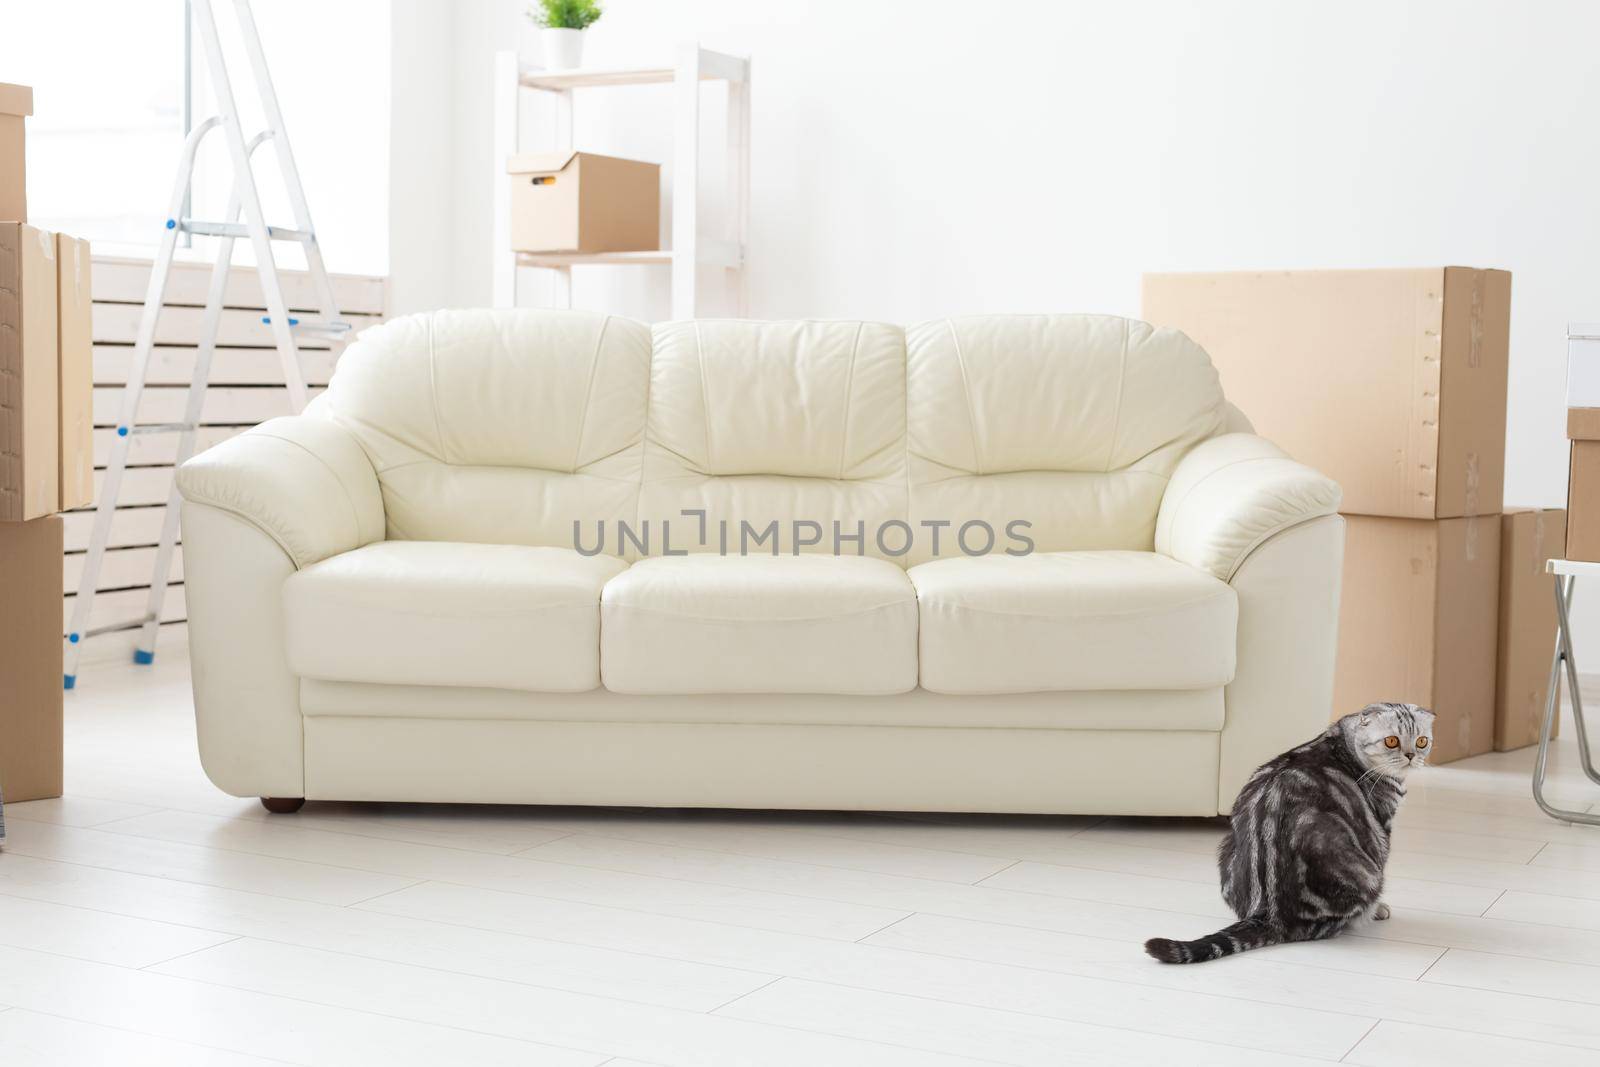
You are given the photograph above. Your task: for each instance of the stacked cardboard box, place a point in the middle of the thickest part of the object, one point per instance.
(16, 104)
(46, 460)
(1528, 538)
(1583, 430)
(1393, 382)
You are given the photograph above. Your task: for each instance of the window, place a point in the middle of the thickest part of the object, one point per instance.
(110, 81)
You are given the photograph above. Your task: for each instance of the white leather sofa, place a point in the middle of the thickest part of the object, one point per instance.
(386, 601)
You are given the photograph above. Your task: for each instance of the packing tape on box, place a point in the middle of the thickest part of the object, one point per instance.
(1475, 326)
(1472, 506)
(1474, 359)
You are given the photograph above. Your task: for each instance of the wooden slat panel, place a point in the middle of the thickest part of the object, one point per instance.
(245, 358)
(124, 605)
(157, 448)
(170, 365)
(228, 405)
(119, 324)
(120, 568)
(124, 281)
(129, 526)
(140, 485)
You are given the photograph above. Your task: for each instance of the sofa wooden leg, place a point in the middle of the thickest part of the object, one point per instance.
(283, 805)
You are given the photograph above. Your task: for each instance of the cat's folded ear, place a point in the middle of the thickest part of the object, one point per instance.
(1415, 710)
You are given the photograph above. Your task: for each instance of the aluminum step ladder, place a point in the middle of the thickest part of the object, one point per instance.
(244, 199)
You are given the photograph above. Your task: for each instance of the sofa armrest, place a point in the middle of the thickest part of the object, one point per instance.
(1230, 494)
(305, 482)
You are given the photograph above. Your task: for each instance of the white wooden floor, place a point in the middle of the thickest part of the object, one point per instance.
(148, 919)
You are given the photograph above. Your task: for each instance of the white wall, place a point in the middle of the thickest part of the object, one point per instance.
(422, 209)
(920, 157)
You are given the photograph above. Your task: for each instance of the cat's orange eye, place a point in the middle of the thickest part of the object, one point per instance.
(1422, 742)
(1391, 741)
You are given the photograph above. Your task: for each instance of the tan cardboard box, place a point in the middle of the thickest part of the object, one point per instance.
(29, 471)
(1583, 502)
(1417, 621)
(16, 103)
(75, 372)
(1528, 537)
(581, 202)
(1583, 428)
(30, 659)
(1391, 382)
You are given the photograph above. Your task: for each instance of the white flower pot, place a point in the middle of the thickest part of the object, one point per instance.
(563, 49)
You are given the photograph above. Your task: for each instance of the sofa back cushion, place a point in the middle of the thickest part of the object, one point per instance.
(513, 426)
(775, 422)
(498, 426)
(1071, 423)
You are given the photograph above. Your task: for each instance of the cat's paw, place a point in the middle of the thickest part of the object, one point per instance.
(1381, 912)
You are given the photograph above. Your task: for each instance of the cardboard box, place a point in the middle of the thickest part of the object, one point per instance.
(30, 659)
(581, 202)
(1583, 428)
(1391, 382)
(1528, 537)
(1583, 502)
(29, 470)
(1417, 622)
(74, 373)
(16, 103)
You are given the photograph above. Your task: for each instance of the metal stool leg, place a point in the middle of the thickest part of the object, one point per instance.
(1563, 590)
(1564, 632)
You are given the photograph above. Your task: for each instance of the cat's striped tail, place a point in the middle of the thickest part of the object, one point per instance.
(1242, 936)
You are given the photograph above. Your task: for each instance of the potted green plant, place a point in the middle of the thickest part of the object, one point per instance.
(562, 23)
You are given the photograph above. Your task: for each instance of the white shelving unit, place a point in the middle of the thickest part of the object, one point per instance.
(690, 247)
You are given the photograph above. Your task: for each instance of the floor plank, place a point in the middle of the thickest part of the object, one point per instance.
(205, 865)
(1575, 982)
(1393, 1044)
(285, 841)
(1266, 977)
(615, 970)
(999, 1036)
(481, 1005)
(30, 1039)
(1548, 909)
(719, 833)
(288, 1027)
(94, 935)
(75, 811)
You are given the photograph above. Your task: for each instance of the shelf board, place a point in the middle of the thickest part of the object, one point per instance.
(712, 253)
(569, 259)
(560, 80)
(714, 66)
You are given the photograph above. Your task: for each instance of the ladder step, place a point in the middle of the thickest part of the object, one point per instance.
(117, 627)
(164, 427)
(229, 229)
(330, 330)
(238, 229)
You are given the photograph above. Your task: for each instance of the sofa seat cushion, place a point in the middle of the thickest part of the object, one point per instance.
(441, 613)
(759, 624)
(1070, 621)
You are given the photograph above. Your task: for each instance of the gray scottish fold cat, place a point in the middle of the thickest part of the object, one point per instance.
(1309, 836)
